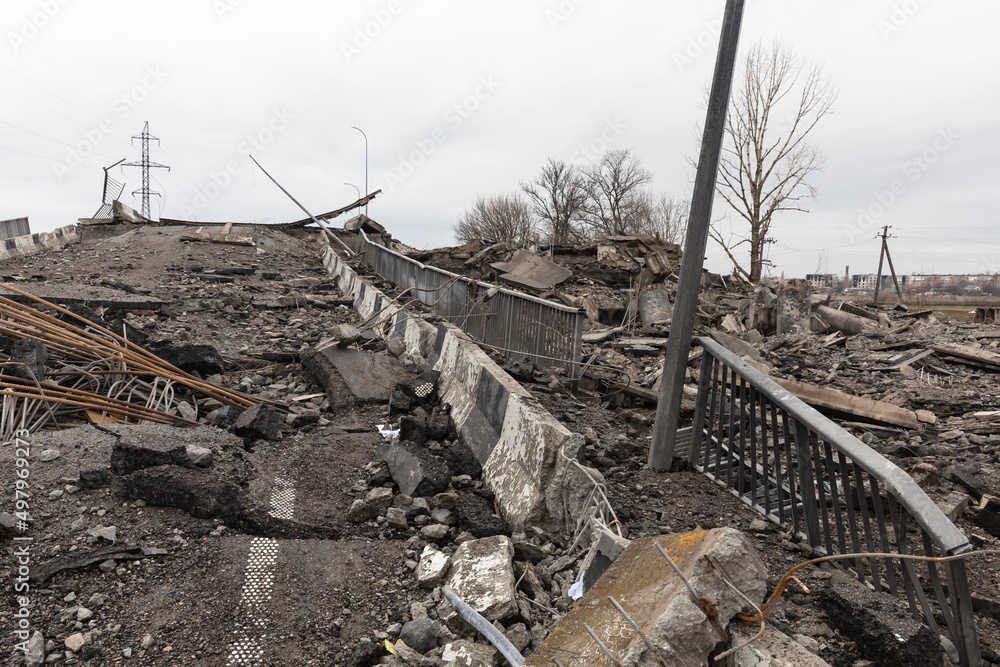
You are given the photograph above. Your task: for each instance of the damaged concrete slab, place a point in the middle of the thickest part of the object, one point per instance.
(365, 376)
(680, 630)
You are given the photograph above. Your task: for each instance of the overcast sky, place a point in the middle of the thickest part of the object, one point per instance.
(467, 98)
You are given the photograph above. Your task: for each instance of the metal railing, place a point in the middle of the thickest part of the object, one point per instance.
(517, 325)
(802, 471)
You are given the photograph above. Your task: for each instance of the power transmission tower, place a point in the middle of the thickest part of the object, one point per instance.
(146, 166)
(885, 254)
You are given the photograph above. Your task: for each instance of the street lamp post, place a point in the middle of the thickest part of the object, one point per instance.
(366, 162)
(355, 187)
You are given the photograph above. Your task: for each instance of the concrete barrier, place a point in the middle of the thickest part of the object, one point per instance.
(32, 244)
(525, 452)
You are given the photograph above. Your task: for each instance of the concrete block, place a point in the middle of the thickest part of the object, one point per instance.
(482, 575)
(774, 649)
(651, 593)
(794, 306)
(513, 436)
(654, 305)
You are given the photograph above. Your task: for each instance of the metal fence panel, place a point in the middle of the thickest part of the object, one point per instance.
(517, 325)
(799, 469)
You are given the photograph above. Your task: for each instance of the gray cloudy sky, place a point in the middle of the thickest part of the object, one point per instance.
(462, 98)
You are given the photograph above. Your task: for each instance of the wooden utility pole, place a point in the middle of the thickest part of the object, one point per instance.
(885, 254)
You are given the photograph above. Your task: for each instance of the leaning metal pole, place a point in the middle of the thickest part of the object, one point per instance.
(668, 407)
(322, 225)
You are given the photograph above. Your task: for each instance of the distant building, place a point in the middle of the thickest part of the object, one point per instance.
(823, 279)
(15, 227)
(867, 281)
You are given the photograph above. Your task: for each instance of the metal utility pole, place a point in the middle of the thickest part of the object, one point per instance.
(668, 407)
(885, 254)
(358, 190)
(366, 163)
(146, 166)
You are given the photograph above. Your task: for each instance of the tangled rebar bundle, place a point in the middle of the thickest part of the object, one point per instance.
(96, 375)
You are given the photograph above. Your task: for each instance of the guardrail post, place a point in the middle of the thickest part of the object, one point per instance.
(701, 407)
(807, 484)
(968, 642)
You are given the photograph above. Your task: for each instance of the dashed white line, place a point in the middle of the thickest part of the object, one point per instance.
(247, 647)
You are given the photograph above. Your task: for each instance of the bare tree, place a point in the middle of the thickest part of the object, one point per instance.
(767, 157)
(498, 218)
(664, 217)
(615, 197)
(557, 199)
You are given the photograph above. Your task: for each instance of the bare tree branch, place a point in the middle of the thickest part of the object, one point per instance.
(766, 161)
(557, 198)
(499, 218)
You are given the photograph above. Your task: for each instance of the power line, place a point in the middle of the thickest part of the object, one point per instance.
(42, 157)
(61, 99)
(58, 141)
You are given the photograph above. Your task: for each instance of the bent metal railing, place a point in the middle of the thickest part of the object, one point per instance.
(802, 471)
(517, 325)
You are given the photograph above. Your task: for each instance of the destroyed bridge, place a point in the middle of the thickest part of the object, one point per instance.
(292, 445)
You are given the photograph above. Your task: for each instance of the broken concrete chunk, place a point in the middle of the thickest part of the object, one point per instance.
(606, 549)
(482, 575)
(432, 567)
(655, 597)
(461, 460)
(258, 422)
(421, 634)
(773, 649)
(840, 320)
(413, 429)
(375, 502)
(416, 471)
(477, 516)
(342, 335)
(464, 653)
(655, 306)
(199, 456)
(881, 626)
(48, 455)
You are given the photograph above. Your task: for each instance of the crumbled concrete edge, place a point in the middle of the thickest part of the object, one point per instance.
(516, 439)
(32, 244)
(683, 629)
